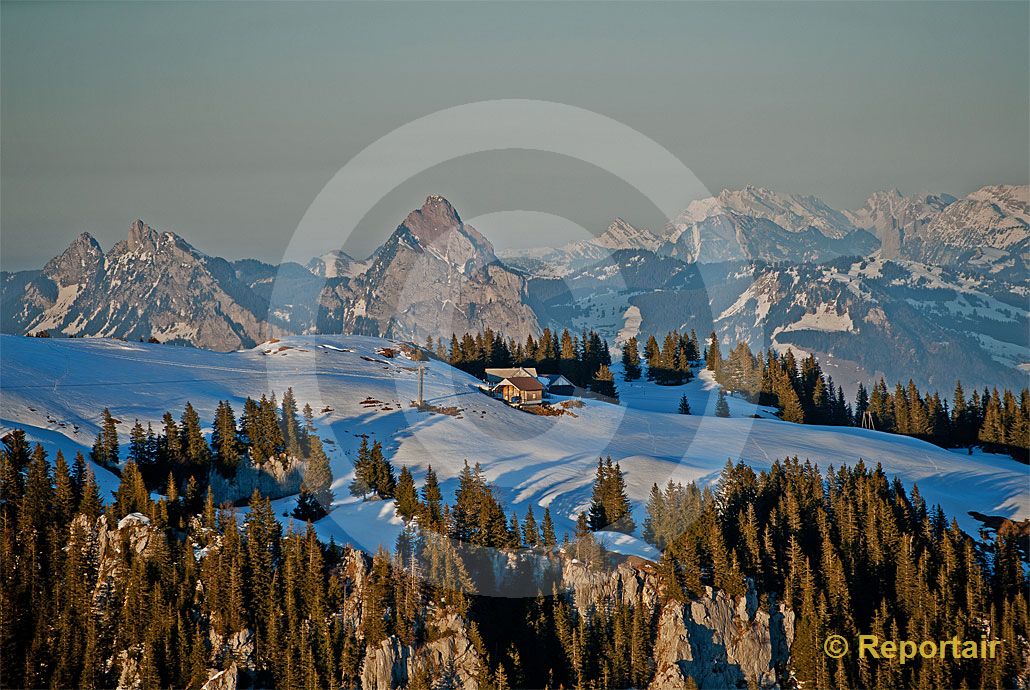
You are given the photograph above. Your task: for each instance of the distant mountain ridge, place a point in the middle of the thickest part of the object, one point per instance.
(150, 285)
(948, 284)
(984, 231)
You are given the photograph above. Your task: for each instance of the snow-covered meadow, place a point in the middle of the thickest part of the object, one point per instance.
(56, 388)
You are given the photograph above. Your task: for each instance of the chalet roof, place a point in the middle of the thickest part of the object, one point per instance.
(509, 372)
(523, 383)
(554, 379)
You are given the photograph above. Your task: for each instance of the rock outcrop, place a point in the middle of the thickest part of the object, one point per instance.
(721, 642)
(449, 658)
(133, 533)
(718, 640)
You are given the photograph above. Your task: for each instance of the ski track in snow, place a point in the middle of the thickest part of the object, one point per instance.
(543, 461)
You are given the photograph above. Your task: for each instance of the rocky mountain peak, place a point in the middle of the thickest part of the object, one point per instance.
(436, 276)
(1012, 200)
(437, 227)
(622, 235)
(332, 264)
(77, 263)
(792, 212)
(142, 236)
(434, 219)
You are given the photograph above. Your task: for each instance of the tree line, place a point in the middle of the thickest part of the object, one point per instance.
(583, 359)
(179, 454)
(849, 550)
(996, 420)
(667, 365)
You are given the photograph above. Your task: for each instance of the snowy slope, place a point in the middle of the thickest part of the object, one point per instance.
(50, 386)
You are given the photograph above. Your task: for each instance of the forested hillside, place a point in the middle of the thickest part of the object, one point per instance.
(135, 592)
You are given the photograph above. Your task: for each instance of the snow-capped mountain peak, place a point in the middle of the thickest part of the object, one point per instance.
(792, 212)
(436, 227)
(77, 264)
(622, 235)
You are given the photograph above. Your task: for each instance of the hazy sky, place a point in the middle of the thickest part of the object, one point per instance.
(222, 121)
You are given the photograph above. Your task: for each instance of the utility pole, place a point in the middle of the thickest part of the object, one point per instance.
(421, 375)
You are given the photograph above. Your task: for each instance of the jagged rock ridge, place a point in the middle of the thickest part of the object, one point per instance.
(434, 276)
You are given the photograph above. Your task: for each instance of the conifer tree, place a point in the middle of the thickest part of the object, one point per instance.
(225, 441)
(105, 449)
(289, 424)
(138, 450)
(132, 495)
(169, 445)
(530, 531)
(195, 450)
(64, 492)
(603, 383)
(609, 505)
(432, 501)
(363, 480)
(722, 407)
(684, 405)
(713, 354)
(407, 497)
(383, 481)
(861, 404)
(316, 496)
(547, 534)
(89, 503)
(652, 354)
(631, 360)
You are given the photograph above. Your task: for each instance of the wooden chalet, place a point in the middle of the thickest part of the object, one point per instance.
(519, 390)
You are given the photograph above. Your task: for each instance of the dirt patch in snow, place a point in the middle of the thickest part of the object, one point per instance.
(449, 411)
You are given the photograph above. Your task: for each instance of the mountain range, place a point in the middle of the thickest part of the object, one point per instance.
(927, 286)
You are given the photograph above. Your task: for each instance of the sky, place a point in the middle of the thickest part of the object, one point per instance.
(223, 121)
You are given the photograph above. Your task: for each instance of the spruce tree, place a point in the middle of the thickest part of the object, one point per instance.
(289, 425)
(362, 483)
(90, 504)
(138, 445)
(713, 355)
(132, 495)
(684, 405)
(169, 446)
(432, 501)
(603, 383)
(195, 450)
(609, 504)
(383, 481)
(547, 534)
(407, 497)
(316, 495)
(530, 531)
(861, 404)
(225, 442)
(64, 491)
(105, 449)
(631, 360)
(722, 407)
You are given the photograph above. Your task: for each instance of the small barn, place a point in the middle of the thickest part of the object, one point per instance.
(520, 390)
(556, 384)
(496, 375)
